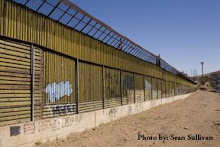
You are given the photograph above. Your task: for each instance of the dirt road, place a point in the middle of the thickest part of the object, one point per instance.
(199, 114)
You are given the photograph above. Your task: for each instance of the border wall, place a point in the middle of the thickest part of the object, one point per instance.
(49, 70)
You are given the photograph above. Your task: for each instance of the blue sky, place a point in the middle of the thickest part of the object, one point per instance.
(183, 32)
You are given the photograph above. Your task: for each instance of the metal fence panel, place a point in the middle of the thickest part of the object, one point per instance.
(38, 82)
(59, 85)
(139, 87)
(148, 87)
(127, 87)
(168, 89)
(1, 15)
(154, 89)
(48, 33)
(112, 87)
(90, 87)
(159, 86)
(108, 77)
(15, 82)
(163, 89)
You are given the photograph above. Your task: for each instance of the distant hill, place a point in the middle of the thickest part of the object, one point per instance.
(211, 80)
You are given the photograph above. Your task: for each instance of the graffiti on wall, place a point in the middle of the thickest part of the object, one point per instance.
(154, 94)
(112, 86)
(64, 109)
(129, 110)
(57, 90)
(112, 112)
(128, 86)
(29, 128)
(128, 82)
(15, 130)
(147, 85)
(49, 125)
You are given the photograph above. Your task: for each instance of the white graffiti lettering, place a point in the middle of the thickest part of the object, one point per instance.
(57, 90)
(147, 85)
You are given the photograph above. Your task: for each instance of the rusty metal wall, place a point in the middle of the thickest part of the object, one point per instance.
(15, 82)
(54, 84)
(59, 85)
(90, 82)
(112, 87)
(38, 82)
(106, 77)
(1, 15)
(139, 87)
(148, 88)
(179, 89)
(158, 83)
(50, 34)
(154, 89)
(163, 88)
(172, 88)
(127, 87)
(90, 87)
(168, 89)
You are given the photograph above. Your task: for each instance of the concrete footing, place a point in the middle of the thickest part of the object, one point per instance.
(27, 134)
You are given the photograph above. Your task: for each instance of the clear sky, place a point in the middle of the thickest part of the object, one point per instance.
(183, 32)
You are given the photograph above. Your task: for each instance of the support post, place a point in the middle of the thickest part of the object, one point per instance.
(77, 85)
(157, 83)
(175, 92)
(161, 92)
(134, 88)
(121, 87)
(165, 89)
(202, 63)
(103, 85)
(144, 88)
(151, 89)
(32, 82)
(4, 17)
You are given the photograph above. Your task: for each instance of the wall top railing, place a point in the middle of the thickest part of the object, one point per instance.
(71, 15)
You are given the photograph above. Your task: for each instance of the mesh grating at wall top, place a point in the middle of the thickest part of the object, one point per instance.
(72, 16)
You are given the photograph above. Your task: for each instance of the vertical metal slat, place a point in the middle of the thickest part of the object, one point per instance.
(32, 82)
(77, 85)
(134, 89)
(144, 88)
(121, 87)
(103, 84)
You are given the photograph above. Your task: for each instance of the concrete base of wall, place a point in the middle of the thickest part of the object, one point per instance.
(27, 134)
